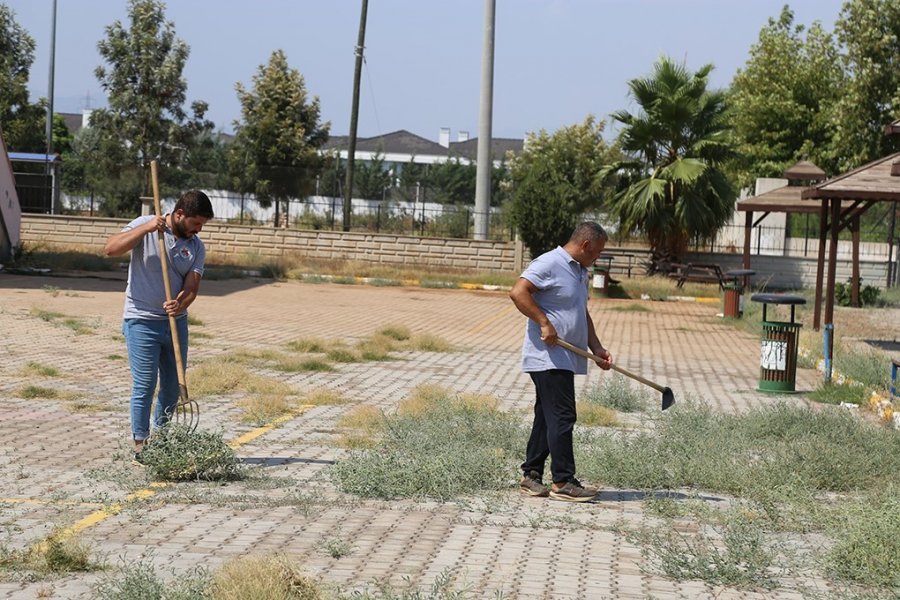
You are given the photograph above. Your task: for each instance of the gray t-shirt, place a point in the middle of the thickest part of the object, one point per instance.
(562, 294)
(145, 293)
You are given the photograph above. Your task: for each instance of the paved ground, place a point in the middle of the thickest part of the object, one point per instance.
(60, 467)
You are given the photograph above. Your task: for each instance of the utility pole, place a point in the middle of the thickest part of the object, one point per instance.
(354, 114)
(485, 116)
(49, 130)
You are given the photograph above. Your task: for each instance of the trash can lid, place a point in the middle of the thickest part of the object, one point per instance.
(778, 299)
(740, 272)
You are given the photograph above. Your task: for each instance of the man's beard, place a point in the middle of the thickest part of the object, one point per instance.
(179, 229)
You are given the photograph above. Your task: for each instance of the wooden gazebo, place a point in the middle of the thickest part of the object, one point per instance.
(786, 199)
(843, 199)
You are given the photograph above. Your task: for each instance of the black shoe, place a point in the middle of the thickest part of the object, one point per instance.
(532, 485)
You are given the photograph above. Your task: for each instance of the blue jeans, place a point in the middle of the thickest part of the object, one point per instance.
(151, 354)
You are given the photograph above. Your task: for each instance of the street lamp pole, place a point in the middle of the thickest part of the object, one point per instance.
(49, 130)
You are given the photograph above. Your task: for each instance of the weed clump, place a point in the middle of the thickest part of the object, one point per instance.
(437, 445)
(614, 392)
(177, 454)
(273, 577)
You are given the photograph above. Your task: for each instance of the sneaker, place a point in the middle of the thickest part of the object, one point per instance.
(138, 460)
(573, 491)
(532, 485)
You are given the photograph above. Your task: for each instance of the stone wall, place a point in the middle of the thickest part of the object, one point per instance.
(226, 239)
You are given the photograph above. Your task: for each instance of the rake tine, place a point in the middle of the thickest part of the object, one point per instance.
(188, 414)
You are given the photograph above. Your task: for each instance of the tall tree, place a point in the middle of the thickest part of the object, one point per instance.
(869, 31)
(21, 121)
(781, 102)
(281, 132)
(675, 189)
(371, 180)
(555, 180)
(146, 93)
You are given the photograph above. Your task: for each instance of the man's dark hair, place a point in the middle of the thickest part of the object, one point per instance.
(195, 204)
(589, 231)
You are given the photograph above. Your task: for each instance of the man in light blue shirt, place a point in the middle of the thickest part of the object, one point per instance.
(553, 294)
(151, 353)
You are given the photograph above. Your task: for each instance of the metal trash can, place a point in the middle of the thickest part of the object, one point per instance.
(779, 346)
(733, 294)
(600, 281)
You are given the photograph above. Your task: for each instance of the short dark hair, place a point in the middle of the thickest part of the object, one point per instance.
(195, 204)
(588, 231)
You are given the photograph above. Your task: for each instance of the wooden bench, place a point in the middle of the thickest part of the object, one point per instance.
(622, 261)
(698, 273)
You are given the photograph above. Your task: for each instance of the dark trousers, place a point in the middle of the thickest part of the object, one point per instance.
(554, 419)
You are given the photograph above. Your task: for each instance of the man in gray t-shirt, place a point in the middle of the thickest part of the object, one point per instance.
(151, 353)
(552, 292)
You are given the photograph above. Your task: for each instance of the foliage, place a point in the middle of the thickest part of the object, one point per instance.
(554, 181)
(674, 187)
(867, 544)
(280, 134)
(614, 392)
(139, 581)
(370, 179)
(753, 454)
(145, 119)
(269, 577)
(843, 294)
(781, 101)
(442, 446)
(22, 122)
(869, 32)
(175, 453)
(742, 558)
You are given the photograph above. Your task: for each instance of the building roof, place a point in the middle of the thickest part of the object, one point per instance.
(873, 181)
(397, 142)
(73, 121)
(804, 171)
(405, 142)
(785, 199)
(32, 157)
(499, 148)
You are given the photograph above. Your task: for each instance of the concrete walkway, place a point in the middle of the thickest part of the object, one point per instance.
(64, 468)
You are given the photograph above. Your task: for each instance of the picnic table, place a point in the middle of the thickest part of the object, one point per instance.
(698, 273)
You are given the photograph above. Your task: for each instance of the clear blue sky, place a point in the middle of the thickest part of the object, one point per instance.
(556, 61)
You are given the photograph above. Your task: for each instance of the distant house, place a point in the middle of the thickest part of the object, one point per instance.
(401, 147)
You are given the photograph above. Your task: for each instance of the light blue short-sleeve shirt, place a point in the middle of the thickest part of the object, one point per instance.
(145, 292)
(562, 294)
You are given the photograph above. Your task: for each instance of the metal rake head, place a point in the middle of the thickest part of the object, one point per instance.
(187, 413)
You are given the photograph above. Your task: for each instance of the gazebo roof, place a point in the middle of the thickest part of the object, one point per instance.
(804, 171)
(785, 199)
(874, 181)
(892, 128)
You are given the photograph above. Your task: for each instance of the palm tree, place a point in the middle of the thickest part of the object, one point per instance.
(673, 189)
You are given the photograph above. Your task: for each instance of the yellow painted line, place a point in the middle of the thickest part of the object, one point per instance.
(101, 515)
(708, 300)
(470, 286)
(493, 318)
(46, 502)
(255, 433)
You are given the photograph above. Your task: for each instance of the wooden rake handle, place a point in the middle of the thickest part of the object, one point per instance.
(163, 259)
(591, 356)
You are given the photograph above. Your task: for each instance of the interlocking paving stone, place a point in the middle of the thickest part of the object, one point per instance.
(522, 547)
